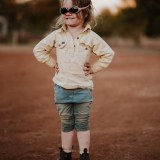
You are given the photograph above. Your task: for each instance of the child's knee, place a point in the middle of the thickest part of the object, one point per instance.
(66, 117)
(82, 122)
(67, 123)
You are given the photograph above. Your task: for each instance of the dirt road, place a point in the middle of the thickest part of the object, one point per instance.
(125, 118)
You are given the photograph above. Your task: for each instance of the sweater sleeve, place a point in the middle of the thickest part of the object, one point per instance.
(43, 49)
(103, 51)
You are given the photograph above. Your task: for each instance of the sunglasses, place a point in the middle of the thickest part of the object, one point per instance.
(74, 9)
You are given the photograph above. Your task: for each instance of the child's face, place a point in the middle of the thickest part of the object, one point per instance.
(72, 19)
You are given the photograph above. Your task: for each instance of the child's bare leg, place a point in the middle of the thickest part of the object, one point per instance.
(67, 140)
(82, 116)
(83, 140)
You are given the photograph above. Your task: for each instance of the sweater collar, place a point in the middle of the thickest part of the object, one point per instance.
(64, 28)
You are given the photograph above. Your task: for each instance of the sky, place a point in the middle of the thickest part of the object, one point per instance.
(110, 4)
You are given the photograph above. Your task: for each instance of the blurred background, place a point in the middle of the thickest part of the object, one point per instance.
(24, 21)
(125, 121)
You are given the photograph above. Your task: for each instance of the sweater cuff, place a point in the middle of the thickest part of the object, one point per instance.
(51, 62)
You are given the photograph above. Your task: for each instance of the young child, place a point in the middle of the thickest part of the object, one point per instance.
(74, 43)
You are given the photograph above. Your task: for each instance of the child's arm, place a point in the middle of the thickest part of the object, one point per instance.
(43, 48)
(104, 52)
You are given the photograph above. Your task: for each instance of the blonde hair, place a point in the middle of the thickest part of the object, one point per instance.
(87, 14)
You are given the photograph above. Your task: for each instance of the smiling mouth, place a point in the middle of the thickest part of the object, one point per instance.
(69, 18)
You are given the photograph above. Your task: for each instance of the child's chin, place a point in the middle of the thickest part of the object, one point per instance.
(71, 24)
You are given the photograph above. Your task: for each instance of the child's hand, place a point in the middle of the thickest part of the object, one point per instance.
(56, 68)
(87, 69)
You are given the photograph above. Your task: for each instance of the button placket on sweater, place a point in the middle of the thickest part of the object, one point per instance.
(73, 47)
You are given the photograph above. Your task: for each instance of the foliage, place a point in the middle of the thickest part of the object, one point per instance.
(105, 23)
(143, 19)
(42, 13)
(8, 9)
(34, 15)
(151, 11)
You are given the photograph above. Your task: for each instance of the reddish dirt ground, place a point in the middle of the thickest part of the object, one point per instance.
(125, 116)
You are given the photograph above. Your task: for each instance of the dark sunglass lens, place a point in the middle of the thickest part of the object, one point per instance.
(63, 10)
(73, 10)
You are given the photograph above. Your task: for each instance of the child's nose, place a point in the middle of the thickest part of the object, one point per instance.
(68, 13)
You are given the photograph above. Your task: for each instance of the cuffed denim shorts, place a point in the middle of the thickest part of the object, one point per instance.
(73, 106)
(74, 116)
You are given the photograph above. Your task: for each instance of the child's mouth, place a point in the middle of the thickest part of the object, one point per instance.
(69, 18)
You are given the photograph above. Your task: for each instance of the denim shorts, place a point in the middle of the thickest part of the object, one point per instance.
(74, 116)
(62, 95)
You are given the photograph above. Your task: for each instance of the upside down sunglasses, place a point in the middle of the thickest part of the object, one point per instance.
(74, 9)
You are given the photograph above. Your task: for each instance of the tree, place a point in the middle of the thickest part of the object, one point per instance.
(151, 12)
(34, 16)
(133, 22)
(105, 23)
(8, 9)
(42, 13)
(143, 19)
(130, 23)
